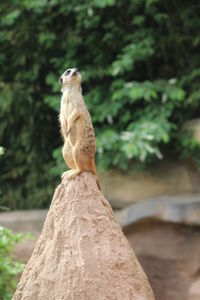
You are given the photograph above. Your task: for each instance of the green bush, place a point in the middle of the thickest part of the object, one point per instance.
(9, 269)
(140, 65)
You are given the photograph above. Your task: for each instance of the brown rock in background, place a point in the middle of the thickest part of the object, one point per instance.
(82, 252)
(193, 126)
(166, 177)
(170, 255)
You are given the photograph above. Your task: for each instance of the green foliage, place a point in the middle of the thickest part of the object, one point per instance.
(140, 66)
(9, 269)
(2, 150)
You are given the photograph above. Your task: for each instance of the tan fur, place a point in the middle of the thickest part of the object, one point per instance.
(76, 128)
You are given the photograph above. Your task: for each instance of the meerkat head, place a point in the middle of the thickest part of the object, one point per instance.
(71, 77)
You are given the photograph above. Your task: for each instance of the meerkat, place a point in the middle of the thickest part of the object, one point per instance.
(76, 127)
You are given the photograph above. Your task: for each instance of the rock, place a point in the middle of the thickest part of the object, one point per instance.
(163, 178)
(193, 126)
(24, 221)
(184, 209)
(169, 254)
(82, 252)
(162, 247)
(195, 290)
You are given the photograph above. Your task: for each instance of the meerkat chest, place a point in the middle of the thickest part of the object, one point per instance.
(66, 109)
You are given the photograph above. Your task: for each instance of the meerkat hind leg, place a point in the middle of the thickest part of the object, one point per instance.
(79, 166)
(68, 156)
(66, 173)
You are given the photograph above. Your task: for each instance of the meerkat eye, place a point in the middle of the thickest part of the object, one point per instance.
(67, 72)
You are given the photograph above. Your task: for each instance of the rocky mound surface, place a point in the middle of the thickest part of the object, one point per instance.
(82, 253)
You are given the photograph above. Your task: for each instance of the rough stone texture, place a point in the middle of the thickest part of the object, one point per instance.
(82, 253)
(164, 178)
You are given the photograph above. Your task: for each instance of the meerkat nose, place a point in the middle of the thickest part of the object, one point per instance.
(74, 73)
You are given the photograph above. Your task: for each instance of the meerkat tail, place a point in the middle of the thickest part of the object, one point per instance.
(98, 184)
(94, 171)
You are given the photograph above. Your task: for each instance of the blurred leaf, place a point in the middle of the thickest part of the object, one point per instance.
(2, 150)
(9, 268)
(10, 18)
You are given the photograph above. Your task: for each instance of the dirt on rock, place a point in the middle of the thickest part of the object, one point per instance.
(82, 253)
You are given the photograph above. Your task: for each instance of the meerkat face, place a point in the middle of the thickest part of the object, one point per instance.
(70, 77)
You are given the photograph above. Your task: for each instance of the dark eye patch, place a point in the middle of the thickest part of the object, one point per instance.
(67, 72)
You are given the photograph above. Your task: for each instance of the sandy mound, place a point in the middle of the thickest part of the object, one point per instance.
(82, 253)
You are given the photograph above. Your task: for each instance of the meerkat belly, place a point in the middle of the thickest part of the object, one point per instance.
(77, 132)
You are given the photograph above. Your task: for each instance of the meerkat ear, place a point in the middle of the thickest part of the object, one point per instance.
(60, 80)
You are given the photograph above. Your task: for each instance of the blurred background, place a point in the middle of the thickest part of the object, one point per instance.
(140, 64)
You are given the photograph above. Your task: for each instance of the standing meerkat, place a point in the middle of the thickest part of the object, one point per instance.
(76, 127)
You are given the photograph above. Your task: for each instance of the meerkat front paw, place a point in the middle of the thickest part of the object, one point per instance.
(72, 173)
(63, 174)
